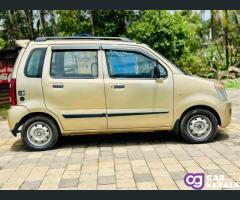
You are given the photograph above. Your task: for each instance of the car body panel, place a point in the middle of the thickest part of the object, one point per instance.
(88, 106)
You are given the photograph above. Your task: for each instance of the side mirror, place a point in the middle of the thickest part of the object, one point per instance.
(156, 72)
(157, 75)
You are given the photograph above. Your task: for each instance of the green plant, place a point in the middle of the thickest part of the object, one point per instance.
(3, 110)
(232, 84)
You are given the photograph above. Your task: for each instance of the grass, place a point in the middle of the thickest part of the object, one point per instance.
(232, 83)
(3, 110)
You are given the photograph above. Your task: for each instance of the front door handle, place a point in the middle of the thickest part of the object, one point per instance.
(57, 85)
(119, 86)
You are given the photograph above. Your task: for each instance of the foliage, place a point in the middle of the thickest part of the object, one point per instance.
(72, 22)
(2, 43)
(197, 45)
(170, 34)
(232, 84)
(3, 110)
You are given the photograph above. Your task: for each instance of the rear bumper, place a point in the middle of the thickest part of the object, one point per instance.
(15, 130)
(225, 113)
(15, 114)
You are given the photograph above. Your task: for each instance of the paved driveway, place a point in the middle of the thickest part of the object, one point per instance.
(125, 161)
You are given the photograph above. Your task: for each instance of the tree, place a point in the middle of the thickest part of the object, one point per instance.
(170, 34)
(29, 18)
(73, 22)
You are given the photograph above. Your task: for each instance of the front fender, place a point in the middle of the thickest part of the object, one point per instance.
(197, 99)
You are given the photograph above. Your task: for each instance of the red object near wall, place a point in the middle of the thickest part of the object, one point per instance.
(5, 74)
(7, 60)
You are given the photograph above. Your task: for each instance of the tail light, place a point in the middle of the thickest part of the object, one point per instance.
(13, 97)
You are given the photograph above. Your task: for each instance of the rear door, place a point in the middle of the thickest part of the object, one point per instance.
(73, 87)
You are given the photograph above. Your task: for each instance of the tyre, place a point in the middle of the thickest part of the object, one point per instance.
(198, 126)
(40, 133)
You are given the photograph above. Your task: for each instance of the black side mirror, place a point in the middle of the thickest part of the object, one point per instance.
(156, 72)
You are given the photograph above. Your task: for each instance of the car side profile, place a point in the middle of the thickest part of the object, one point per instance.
(90, 85)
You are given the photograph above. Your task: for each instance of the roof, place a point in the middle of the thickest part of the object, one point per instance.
(123, 39)
(75, 40)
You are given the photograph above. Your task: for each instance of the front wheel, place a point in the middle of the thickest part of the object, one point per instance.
(40, 133)
(199, 126)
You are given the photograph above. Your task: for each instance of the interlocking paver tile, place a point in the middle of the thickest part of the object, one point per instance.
(50, 182)
(87, 185)
(143, 178)
(146, 186)
(73, 167)
(125, 183)
(104, 180)
(30, 185)
(106, 187)
(176, 176)
(37, 173)
(68, 182)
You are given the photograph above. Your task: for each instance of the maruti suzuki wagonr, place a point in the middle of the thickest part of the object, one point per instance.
(89, 85)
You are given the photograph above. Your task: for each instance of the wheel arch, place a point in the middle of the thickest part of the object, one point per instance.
(202, 107)
(176, 127)
(32, 114)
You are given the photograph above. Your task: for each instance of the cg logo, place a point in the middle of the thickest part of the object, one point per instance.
(196, 181)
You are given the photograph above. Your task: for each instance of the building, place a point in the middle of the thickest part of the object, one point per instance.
(7, 60)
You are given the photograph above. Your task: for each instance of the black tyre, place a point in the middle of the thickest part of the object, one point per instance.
(198, 126)
(40, 133)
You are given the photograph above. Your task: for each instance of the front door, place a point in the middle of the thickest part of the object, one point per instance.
(134, 98)
(74, 88)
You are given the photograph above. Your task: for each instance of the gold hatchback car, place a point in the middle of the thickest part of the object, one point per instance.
(89, 85)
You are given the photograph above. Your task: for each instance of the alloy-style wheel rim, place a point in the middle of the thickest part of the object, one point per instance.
(199, 127)
(39, 134)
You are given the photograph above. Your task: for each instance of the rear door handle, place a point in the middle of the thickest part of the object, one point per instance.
(119, 86)
(57, 85)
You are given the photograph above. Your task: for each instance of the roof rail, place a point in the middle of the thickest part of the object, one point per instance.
(42, 39)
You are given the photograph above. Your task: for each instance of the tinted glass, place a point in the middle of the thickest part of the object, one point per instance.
(129, 64)
(74, 64)
(163, 71)
(34, 64)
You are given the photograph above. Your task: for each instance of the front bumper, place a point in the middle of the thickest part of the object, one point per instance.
(225, 113)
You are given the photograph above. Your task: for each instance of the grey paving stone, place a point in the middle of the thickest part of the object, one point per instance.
(68, 183)
(143, 178)
(105, 180)
(177, 176)
(30, 185)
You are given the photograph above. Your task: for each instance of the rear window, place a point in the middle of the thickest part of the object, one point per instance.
(74, 64)
(34, 63)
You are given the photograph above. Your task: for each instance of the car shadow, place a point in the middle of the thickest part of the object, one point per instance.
(119, 139)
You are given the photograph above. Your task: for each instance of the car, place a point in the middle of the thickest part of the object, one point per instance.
(90, 85)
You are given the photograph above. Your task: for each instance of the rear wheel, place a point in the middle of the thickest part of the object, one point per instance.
(40, 133)
(199, 126)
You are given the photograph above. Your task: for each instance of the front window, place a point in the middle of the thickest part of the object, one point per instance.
(74, 64)
(128, 64)
(168, 62)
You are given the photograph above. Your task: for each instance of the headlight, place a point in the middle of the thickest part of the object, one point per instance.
(221, 91)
